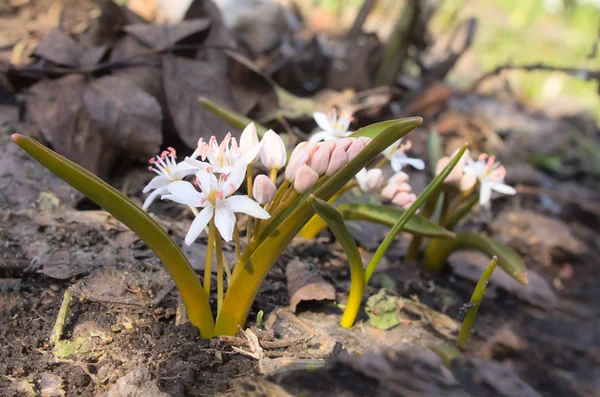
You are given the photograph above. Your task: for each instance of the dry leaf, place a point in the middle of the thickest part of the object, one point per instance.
(251, 88)
(60, 48)
(304, 284)
(129, 116)
(147, 74)
(185, 80)
(57, 108)
(161, 36)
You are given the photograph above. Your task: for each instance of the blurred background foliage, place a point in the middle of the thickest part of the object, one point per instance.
(553, 32)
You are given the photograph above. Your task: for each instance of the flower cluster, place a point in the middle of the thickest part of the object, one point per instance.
(310, 160)
(220, 169)
(485, 170)
(397, 189)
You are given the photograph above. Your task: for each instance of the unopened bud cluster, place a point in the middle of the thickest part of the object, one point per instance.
(310, 160)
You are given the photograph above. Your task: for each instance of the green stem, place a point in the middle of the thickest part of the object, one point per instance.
(444, 212)
(433, 186)
(61, 318)
(220, 290)
(209, 255)
(334, 220)
(236, 239)
(461, 211)
(412, 254)
(475, 303)
(273, 175)
(249, 185)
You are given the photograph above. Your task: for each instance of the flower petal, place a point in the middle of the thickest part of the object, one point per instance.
(207, 181)
(322, 121)
(183, 192)
(397, 163)
(156, 182)
(225, 222)
(415, 163)
(502, 188)
(485, 193)
(246, 205)
(199, 224)
(197, 164)
(237, 174)
(153, 197)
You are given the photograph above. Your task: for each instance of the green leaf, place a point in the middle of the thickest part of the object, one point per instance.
(253, 266)
(371, 131)
(475, 302)
(433, 188)
(334, 220)
(235, 119)
(388, 216)
(508, 260)
(125, 210)
(434, 150)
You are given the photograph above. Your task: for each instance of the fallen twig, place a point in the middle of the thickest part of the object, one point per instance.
(585, 74)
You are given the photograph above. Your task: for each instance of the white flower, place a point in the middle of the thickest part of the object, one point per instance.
(273, 154)
(168, 171)
(491, 177)
(370, 180)
(216, 201)
(331, 126)
(221, 157)
(398, 158)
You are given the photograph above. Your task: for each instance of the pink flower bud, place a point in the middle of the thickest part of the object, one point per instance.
(249, 144)
(306, 178)
(344, 143)
(320, 160)
(392, 189)
(370, 180)
(355, 149)
(329, 145)
(273, 154)
(365, 140)
(338, 160)
(404, 199)
(263, 190)
(299, 157)
(389, 191)
(398, 178)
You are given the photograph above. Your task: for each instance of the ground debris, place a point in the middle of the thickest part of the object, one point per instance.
(305, 284)
(137, 383)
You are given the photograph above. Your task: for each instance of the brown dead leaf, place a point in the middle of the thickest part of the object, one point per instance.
(58, 47)
(218, 34)
(106, 29)
(92, 56)
(57, 108)
(185, 80)
(304, 284)
(161, 36)
(130, 117)
(146, 74)
(251, 88)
